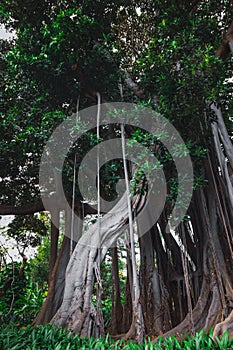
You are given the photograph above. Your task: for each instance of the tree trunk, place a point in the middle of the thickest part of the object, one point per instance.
(150, 287)
(56, 286)
(55, 219)
(226, 325)
(57, 278)
(117, 309)
(77, 312)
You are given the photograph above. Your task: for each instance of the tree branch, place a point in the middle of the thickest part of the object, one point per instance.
(32, 208)
(133, 86)
(29, 208)
(226, 46)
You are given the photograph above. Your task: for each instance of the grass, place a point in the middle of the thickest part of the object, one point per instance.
(47, 338)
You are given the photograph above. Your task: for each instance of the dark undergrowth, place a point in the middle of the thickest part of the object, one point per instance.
(16, 337)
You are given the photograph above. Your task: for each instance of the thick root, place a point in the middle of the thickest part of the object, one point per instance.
(226, 325)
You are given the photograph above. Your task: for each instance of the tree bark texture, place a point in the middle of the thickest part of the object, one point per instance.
(77, 312)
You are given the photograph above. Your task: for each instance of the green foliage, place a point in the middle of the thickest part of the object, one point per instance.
(64, 49)
(29, 304)
(39, 265)
(46, 338)
(27, 230)
(21, 299)
(26, 121)
(12, 287)
(180, 66)
(23, 293)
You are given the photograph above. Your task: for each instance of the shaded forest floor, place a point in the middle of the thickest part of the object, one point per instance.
(16, 337)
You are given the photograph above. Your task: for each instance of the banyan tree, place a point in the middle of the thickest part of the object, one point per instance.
(173, 59)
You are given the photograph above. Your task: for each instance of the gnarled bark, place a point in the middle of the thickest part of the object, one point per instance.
(226, 325)
(77, 312)
(150, 286)
(117, 309)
